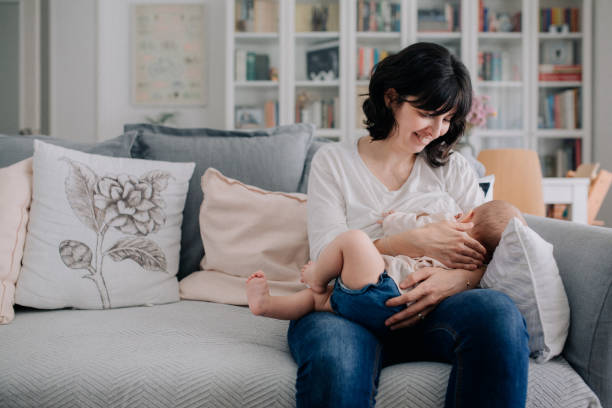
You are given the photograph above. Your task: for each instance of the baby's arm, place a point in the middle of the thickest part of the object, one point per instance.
(396, 222)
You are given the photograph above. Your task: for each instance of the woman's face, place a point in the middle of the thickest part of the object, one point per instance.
(417, 128)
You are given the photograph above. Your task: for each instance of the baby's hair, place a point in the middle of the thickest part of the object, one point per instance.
(490, 221)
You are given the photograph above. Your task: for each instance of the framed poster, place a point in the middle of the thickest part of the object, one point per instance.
(168, 55)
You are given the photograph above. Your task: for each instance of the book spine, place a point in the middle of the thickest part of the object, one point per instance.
(544, 76)
(250, 66)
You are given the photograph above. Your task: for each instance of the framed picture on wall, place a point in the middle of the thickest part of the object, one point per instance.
(168, 55)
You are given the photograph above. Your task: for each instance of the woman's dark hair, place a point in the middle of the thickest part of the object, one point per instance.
(435, 80)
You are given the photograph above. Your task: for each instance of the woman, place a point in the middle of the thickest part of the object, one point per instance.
(415, 113)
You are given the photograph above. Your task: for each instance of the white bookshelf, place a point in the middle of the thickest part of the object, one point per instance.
(517, 97)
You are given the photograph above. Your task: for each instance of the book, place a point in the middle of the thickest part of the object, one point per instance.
(262, 67)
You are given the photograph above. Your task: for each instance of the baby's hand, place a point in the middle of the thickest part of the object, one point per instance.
(385, 215)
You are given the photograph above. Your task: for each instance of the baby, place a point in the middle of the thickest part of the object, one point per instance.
(366, 305)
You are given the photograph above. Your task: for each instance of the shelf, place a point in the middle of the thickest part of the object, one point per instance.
(375, 35)
(256, 36)
(423, 35)
(500, 36)
(317, 84)
(319, 35)
(256, 84)
(559, 36)
(559, 84)
(500, 84)
(498, 133)
(560, 133)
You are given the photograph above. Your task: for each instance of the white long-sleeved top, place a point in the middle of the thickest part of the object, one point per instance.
(344, 194)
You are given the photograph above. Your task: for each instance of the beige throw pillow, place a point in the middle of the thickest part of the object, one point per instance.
(245, 228)
(15, 197)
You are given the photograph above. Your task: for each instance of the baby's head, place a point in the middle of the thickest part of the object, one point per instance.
(490, 220)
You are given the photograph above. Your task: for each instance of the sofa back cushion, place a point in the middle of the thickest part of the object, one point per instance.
(17, 148)
(272, 159)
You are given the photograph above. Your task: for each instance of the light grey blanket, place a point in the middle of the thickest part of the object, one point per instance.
(199, 354)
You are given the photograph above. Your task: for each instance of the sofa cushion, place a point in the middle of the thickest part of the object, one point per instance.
(524, 268)
(104, 231)
(17, 148)
(190, 354)
(15, 197)
(272, 159)
(584, 258)
(245, 228)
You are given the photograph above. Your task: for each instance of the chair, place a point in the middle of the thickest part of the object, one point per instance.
(518, 178)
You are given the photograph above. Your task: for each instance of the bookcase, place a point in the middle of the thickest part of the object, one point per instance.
(532, 58)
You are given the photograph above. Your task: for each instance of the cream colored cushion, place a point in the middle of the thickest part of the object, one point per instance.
(15, 197)
(245, 228)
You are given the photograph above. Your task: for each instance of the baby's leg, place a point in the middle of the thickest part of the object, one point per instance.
(288, 307)
(351, 255)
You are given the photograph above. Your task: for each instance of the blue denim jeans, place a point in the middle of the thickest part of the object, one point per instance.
(366, 306)
(480, 332)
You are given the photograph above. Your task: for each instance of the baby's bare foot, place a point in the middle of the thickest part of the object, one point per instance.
(257, 292)
(309, 277)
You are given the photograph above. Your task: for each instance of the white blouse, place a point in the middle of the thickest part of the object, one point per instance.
(344, 194)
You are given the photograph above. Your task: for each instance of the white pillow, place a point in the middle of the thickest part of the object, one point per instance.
(523, 267)
(104, 232)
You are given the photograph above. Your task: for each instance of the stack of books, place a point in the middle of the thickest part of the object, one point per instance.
(378, 16)
(260, 16)
(568, 156)
(310, 17)
(561, 72)
(250, 66)
(494, 66)
(445, 19)
(367, 58)
(554, 18)
(561, 110)
(323, 113)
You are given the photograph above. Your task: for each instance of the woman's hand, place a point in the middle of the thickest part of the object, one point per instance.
(447, 242)
(431, 286)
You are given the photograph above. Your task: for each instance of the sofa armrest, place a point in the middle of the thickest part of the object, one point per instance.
(584, 256)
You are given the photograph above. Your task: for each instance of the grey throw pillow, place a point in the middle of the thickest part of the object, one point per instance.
(17, 148)
(272, 159)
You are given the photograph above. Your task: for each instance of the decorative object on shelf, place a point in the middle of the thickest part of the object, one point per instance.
(310, 17)
(167, 53)
(492, 21)
(249, 117)
(323, 61)
(163, 118)
(477, 117)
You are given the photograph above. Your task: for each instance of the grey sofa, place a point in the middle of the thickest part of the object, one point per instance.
(200, 354)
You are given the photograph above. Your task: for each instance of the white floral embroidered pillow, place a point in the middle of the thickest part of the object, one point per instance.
(104, 232)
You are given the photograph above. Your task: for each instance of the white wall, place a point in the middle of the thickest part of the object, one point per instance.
(114, 107)
(602, 95)
(90, 69)
(72, 69)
